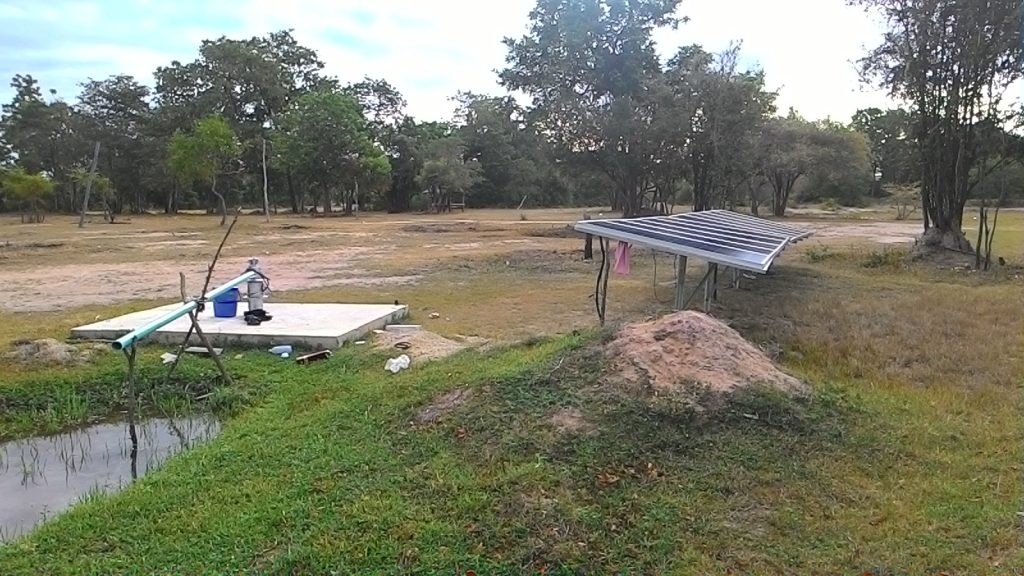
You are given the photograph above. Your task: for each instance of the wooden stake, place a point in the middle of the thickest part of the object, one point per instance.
(88, 184)
(132, 409)
(680, 299)
(209, 348)
(266, 201)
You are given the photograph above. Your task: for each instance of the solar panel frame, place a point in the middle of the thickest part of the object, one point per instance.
(717, 236)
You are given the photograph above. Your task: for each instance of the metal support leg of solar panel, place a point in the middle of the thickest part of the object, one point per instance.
(719, 237)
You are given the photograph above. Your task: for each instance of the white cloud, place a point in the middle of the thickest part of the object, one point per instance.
(428, 50)
(807, 48)
(431, 50)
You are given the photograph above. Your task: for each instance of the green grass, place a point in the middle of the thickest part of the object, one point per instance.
(48, 400)
(906, 460)
(327, 475)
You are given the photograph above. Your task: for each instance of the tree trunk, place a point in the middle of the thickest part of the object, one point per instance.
(615, 200)
(782, 186)
(296, 205)
(172, 200)
(350, 196)
(223, 205)
(88, 183)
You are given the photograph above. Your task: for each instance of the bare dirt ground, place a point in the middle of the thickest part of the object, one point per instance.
(56, 266)
(499, 274)
(871, 232)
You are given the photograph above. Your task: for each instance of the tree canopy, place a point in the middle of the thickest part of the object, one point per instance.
(608, 117)
(204, 154)
(327, 143)
(952, 61)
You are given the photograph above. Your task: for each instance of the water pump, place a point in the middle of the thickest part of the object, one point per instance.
(255, 289)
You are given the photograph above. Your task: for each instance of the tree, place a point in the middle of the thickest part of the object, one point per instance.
(373, 177)
(952, 61)
(29, 191)
(787, 155)
(323, 138)
(42, 134)
(726, 111)
(445, 172)
(250, 82)
(591, 69)
(406, 156)
(383, 107)
(205, 154)
(841, 168)
(893, 157)
(116, 113)
(515, 161)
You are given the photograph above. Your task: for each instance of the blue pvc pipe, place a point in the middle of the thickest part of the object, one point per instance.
(131, 338)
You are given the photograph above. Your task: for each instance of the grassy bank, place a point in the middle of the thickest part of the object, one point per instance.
(45, 400)
(328, 473)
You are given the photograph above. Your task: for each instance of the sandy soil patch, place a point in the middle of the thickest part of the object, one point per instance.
(423, 345)
(67, 286)
(880, 232)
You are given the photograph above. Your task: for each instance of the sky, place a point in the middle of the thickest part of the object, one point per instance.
(429, 50)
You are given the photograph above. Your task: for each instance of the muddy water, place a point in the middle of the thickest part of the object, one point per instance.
(42, 476)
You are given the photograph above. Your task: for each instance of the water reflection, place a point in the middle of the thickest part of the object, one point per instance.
(42, 476)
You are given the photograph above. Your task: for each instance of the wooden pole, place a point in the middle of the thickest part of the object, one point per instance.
(714, 287)
(209, 348)
(707, 289)
(132, 409)
(680, 300)
(266, 201)
(588, 244)
(605, 247)
(88, 184)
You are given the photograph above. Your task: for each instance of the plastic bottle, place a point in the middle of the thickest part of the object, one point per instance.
(283, 349)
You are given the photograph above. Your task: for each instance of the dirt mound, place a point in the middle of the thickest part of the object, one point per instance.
(50, 352)
(685, 353)
(941, 257)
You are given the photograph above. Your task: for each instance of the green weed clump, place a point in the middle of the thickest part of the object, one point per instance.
(887, 258)
(819, 253)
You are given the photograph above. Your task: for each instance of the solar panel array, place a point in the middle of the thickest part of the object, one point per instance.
(718, 236)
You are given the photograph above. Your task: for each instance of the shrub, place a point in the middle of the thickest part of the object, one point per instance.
(887, 258)
(819, 253)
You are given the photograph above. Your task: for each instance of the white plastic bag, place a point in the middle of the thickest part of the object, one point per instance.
(396, 365)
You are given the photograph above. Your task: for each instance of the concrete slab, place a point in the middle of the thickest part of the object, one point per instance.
(317, 326)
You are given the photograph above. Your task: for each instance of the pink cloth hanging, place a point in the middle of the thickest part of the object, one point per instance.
(621, 265)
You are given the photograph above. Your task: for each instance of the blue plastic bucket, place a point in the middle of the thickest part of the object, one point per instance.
(226, 305)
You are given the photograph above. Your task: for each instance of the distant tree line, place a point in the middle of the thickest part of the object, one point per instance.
(608, 122)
